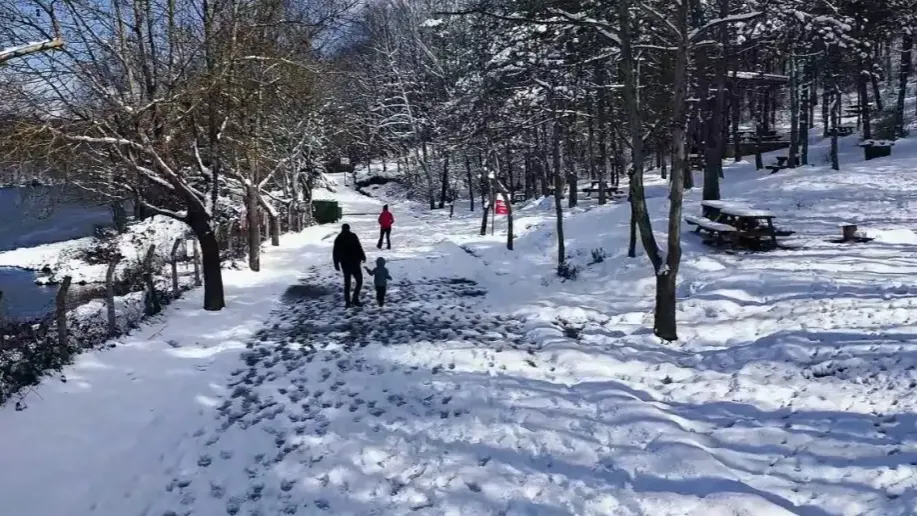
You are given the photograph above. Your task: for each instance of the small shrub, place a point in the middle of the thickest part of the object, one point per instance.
(598, 255)
(567, 271)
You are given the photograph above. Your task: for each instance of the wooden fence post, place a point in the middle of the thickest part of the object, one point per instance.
(61, 308)
(175, 246)
(197, 265)
(110, 295)
(151, 300)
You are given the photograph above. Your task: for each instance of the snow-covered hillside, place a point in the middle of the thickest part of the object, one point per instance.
(488, 385)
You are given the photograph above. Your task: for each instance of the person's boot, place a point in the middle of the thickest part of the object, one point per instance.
(357, 303)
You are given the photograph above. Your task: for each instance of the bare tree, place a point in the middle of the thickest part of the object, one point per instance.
(51, 41)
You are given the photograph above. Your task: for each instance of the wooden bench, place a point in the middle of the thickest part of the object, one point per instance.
(709, 225)
(719, 232)
(518, 197)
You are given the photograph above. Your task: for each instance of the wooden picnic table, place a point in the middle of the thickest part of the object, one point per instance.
(749, 223)
(594, 188)
(845, 130)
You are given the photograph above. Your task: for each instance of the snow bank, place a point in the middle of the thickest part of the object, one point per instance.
(69, 258)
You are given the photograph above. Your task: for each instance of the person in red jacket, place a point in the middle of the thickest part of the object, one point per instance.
(386, 219)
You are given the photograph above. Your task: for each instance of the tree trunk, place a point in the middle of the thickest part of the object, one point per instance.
(570, 165)
(794, 113)
(757, 106)
(445, 182)
(907, 43)
(197, 265)
(736, 111)
(428, 176)
(511, 187)
(151, 299)
(174, 260)
(253, 220)
(632, 237)
(214, 299)
(119, 216)
(590, 142)
(486, 205)
(110, 295)
(835, 119)
(602, 114)
(825, 114)
(274, 222)
(664, 321)
(876, 91)
(716, 119)
(632, 108)
(507, 198)
(558, 180)
(804, 116)
(863, 91)
(60, 306)
(470, 183)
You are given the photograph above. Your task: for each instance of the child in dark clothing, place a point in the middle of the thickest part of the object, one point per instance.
(380, 279)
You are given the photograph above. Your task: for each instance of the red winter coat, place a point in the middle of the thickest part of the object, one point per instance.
(386, 219)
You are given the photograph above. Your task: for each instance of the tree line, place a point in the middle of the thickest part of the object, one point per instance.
(497, 97)
(206, 110)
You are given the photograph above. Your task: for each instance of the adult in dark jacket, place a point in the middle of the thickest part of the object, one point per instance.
(386, 219)
(348, 257)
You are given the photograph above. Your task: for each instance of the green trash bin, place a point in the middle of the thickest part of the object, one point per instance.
(326, 212)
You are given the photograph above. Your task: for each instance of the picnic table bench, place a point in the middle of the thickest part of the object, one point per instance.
(518, 197)
(718, 231)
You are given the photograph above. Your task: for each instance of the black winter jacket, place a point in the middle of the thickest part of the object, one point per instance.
(348, 252)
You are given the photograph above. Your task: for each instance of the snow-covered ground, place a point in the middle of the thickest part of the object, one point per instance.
(489, 386)
(64, 258)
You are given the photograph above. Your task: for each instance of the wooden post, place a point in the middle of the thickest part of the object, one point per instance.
(849, 232)
(175, 246)
(151, 301)
(61, 307)
(197, 265)
(110, 295)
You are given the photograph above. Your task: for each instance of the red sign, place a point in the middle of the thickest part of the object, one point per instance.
(500, 208)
